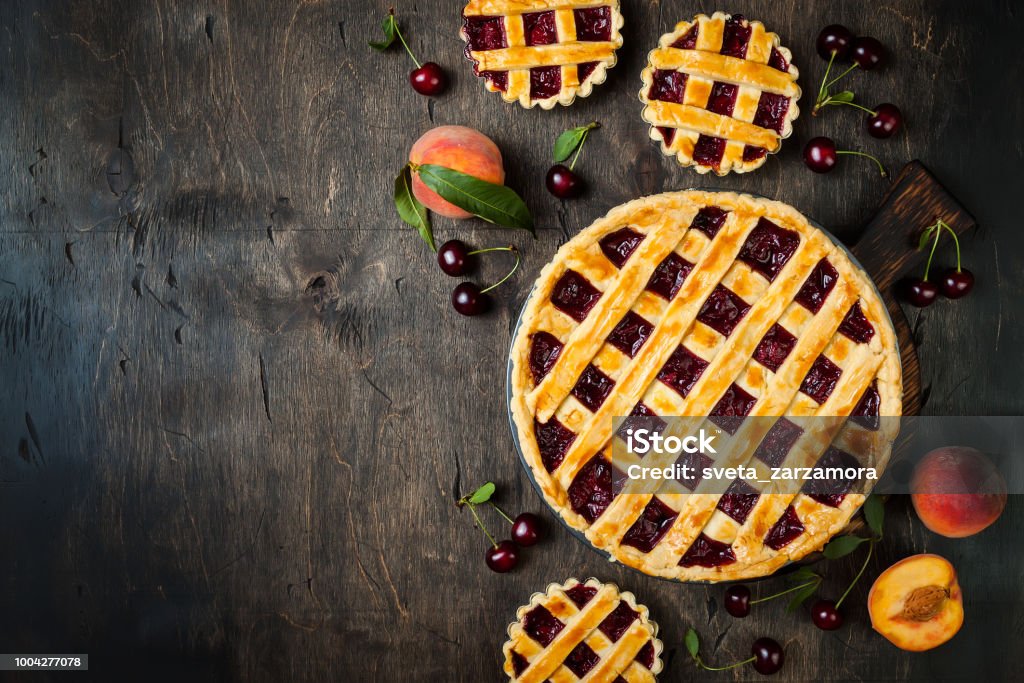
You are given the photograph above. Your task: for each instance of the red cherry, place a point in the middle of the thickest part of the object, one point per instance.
(429, 79)
(468, 300)
(826, 615)
(768, 656)
(527, 529)
(820, 154)
(956, 283)
(834, 39)
(503, 557)
(563, 183)
(920, 292)
(886, 120)
(737, 601)
(868, 52)
(453, 257)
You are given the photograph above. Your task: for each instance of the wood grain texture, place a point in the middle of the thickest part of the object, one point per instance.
(237, 407)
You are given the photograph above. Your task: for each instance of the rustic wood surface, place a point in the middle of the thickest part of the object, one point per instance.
(237, 405)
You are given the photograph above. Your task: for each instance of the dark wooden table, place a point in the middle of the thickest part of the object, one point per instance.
(237, 405)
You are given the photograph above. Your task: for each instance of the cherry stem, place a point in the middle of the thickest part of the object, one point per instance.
(479, 523)
(881, 168)
(514, 269)
(404, 44)
(484, 251)
(821, 89)
(704, 666)
(956, 241)
(935, 243)
(840, 76)
(871, 549)
(579, 148)
(502, 513)
(788, 590)
(854, 104)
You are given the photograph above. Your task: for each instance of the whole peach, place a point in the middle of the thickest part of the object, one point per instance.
(957, 491)
(461, 148)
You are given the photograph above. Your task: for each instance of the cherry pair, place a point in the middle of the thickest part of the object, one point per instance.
(953, 282)
(455, 259)
(527, 530)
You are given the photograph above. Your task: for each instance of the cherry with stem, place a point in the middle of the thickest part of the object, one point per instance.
(955, 283)
(767, 655)
(501, 556)
(821, 156)
(427, 78)
(467, 297)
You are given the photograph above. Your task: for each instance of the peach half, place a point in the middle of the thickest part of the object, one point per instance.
(916, 603)
(957, 492)
(461, 148)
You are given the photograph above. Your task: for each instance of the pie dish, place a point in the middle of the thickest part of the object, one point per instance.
(587, 629)
(720, 93)
(703, 304)
(542, 52)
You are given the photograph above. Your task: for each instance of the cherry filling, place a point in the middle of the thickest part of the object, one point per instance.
(708, 151)
(519, 663)
(735, 37)
(723, 310)
(695, 462)
(709, 220)
(778, 442)
(668, 277)
(618, 246)
(590, 493)
(485, 33)
(774, 347)
(539, 28)
(581, 660)
(498, 78)
(752, 153)
(771, 111)
(593, 24)
(581, 594)
(642, 417)
(738, 500)
(650, 526)
(542, 625)
(584, 69)
(723, 98)
(768, 248)
(667, 134)
(821, 379)
(646, 655)
(574, 295)
(866, 412)
(688, 41)
(618, 621)
(667, 86)
(817, 286)
(734, 405)
(777, 61)
(553, 441)
(682, 370)
(630, 334)
(545, 82)
(856, 326)
(707, 552)
(592, 388)
(544, 351)
(831, 491)
(785, 530)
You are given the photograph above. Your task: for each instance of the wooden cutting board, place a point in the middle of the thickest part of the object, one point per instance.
(887, 248)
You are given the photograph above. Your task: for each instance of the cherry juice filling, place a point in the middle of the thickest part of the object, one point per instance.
(544, 351)
(688, 41)
(539, 28)
(668, 277)
(667, 134)
(652, 524)
(519, 663)
(553, 441)
(584, 69)
(856, 326)
(752, 153)
(641, 417)
(542, 625)
(735, 37)
(708, 151)
(723, 310)
(832, 491)
(485, 33)
(768, 248)
(498, 78)
(618, 246)
(667, 85)
(723, 98)
(785, 530)
(618, 621)
(590, 493)
(778, 442)
(821, 379)
(581, 660)
(574, 295)
(777, 61)
(771, 111)
(866, 414)
(682, 370)
(646, 655)
(707, 552)
(593, 24)
(738, 500)
(630, 334)
(774, 347)
(817, 286)
(545, 82)
(709, 220)
(592, 388)
(730, 410)
(695, 462)
(581, 594)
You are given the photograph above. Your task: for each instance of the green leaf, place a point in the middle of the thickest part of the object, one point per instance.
(482, 494)
(926, 237)
(842, 546)
(800, 596)
(874, 513)
(390, 29)
(410, 209)
(692, 642)
(493, 203)
(802, 575)
(568, 141)
(844, 96)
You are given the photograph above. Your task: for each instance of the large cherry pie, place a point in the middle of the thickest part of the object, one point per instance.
(586, 631)
(703, 304)
(720, 93)
(542, 52)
